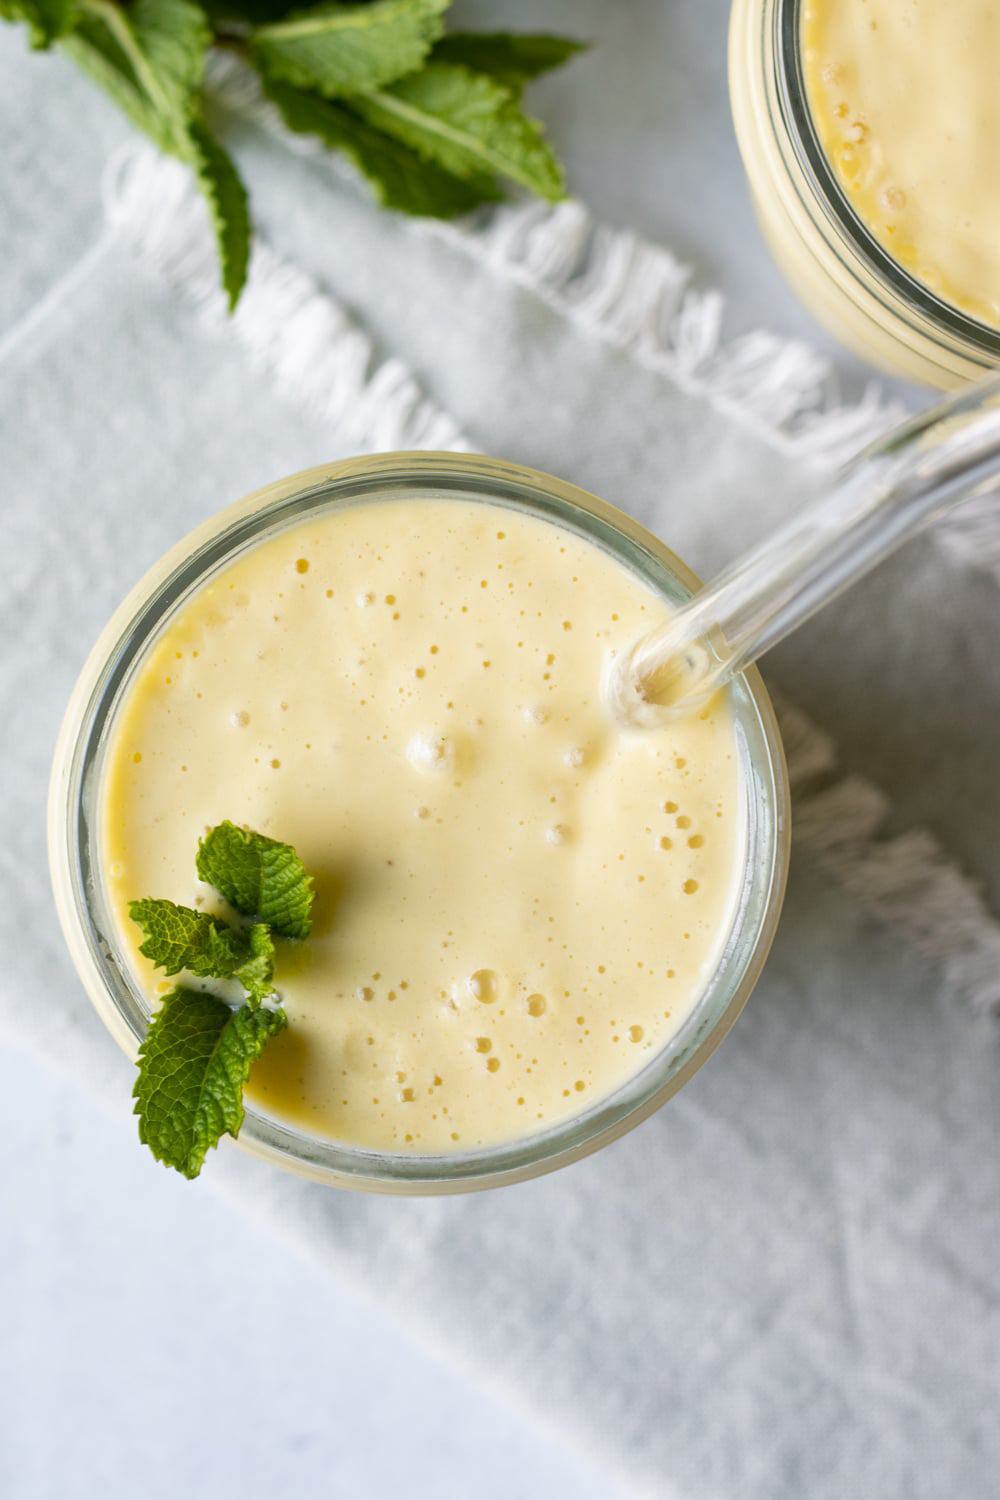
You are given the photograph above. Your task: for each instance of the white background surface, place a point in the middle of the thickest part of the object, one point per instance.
(153, 1342)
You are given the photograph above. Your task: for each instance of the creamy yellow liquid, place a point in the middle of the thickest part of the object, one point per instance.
(516, 903)
(906, 99)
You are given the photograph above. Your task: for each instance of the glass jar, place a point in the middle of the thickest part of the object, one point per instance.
(834, 263)
(82, 901)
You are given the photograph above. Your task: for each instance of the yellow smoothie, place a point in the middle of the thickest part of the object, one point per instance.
(905, 95)
(517, 902)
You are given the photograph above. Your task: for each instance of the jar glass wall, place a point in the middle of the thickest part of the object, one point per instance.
(830, 258)
(74, 823)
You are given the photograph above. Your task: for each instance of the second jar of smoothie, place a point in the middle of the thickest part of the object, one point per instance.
(868, 132)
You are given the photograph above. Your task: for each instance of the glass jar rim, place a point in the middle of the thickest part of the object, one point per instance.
(785, 40)
(73, 839)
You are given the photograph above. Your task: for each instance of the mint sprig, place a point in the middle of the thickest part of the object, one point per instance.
(432, 121)
(178, 937)
(193, 1064)
(199, 1049)
(261, 877)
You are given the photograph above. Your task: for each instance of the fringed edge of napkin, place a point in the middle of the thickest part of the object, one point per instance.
(907, 881)
(319, 356)
(637, 296)
(287, 325)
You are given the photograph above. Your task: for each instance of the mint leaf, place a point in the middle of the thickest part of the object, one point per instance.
(47, 20)
(467, 123)
(193, 1064)
(345, 49)
(198, 1051)
(508, 57)
(227, 203)
(178, 937)
(261, 877)
(398, 177)
(149, 57)
(256, 972)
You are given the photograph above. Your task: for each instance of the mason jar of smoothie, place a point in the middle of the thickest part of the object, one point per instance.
(868, 131)
(531, 925)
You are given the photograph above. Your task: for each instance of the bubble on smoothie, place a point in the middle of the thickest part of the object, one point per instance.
(849, 160)
(483, 1044)
(430, 752)
(239, 718)
(365, 600)
(534, 713)
(575, 757)
(558, 833)
(484, 986)
(635, 1033)
(537, 1005)
(364, 992)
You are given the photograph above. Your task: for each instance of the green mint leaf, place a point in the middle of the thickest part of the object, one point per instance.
(47, 20)
(398, 177)
(340, 50)
(261, 877)
(193, 1064)
(467, 123)
(178, 937)
(510, 58)
(256, 972)
(227, 203)
(149, 57)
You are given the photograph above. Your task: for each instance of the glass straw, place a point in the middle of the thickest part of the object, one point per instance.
(943, 456)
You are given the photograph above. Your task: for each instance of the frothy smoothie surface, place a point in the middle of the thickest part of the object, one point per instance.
(906, 99)
(517, 904)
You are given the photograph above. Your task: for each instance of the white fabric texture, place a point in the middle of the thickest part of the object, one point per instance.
(785, 1284)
